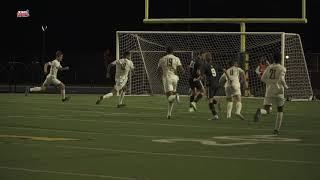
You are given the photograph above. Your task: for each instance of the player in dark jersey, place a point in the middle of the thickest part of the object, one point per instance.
(212, 73)
(195, 82)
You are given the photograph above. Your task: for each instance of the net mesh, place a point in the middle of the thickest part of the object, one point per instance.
(147, 48)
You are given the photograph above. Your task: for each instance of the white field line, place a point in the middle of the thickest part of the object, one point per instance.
(65, 173)
(148, 114)
(88, 132)
(106, 105)
(135, 135)
(176, 155)
(151, 124)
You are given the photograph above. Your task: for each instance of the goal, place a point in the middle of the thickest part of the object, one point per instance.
(146, 48)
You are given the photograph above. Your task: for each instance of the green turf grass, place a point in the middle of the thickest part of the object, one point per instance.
(114, 143)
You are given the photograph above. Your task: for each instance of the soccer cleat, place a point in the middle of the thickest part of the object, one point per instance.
(99, 100)
(121, 105)
(276, 132)
(194, 106)
(168, 117)
(215, 117)
(191, 109)
(27, 91)
(66, 99)
(257, 116)
(240, 116)
(177, 98)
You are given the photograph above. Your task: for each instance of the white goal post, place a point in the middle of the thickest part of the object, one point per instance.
(147, 47)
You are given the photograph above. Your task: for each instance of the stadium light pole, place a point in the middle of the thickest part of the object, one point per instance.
(44, 29)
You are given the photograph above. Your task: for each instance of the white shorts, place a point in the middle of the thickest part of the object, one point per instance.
(170, 83)
(51, 80)
(120, 84)
(278, 101)
(232, 91)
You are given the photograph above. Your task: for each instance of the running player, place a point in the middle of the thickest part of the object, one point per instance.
(195, 81)
(168, 67)
(231, 78)
(51, 78)
(211, 71)
(123, 67)
(274, 77)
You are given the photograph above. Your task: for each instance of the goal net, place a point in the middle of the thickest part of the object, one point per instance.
(146, 48)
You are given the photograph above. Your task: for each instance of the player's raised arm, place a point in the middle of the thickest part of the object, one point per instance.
(264, 76)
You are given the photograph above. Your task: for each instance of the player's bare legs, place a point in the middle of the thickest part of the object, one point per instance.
(193, 94)
(171, 96)
(278, 120)
(197, 95)
(106, 96)
(262, 111)
(121, 97)
(237, 99)
(229, 107)
(63, 92)
(114, 92)
(35, 89)
(212, 103)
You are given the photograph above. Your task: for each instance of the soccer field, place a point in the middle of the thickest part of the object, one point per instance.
(43, 138)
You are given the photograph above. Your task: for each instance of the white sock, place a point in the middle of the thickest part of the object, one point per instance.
(278, 121)
(121, 97)
(229, 109)
(171, 98)
(170, 107)
(238, 107)
(63, 93)
(263, 111)
(107, 95)
(35, 89)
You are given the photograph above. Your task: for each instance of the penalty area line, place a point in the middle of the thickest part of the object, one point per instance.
(65, 173)
(176, 155)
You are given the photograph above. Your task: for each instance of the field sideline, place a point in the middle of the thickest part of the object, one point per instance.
(43, 138)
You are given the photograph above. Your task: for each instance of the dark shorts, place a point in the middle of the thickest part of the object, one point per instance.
(212, 90)
(195, 84)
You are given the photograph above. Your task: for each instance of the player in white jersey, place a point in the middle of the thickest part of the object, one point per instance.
(123, 67)
(168, 67)
(231, 80)
(274, 77)
(51, 78)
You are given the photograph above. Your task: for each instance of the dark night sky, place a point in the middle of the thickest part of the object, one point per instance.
(89, 26)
